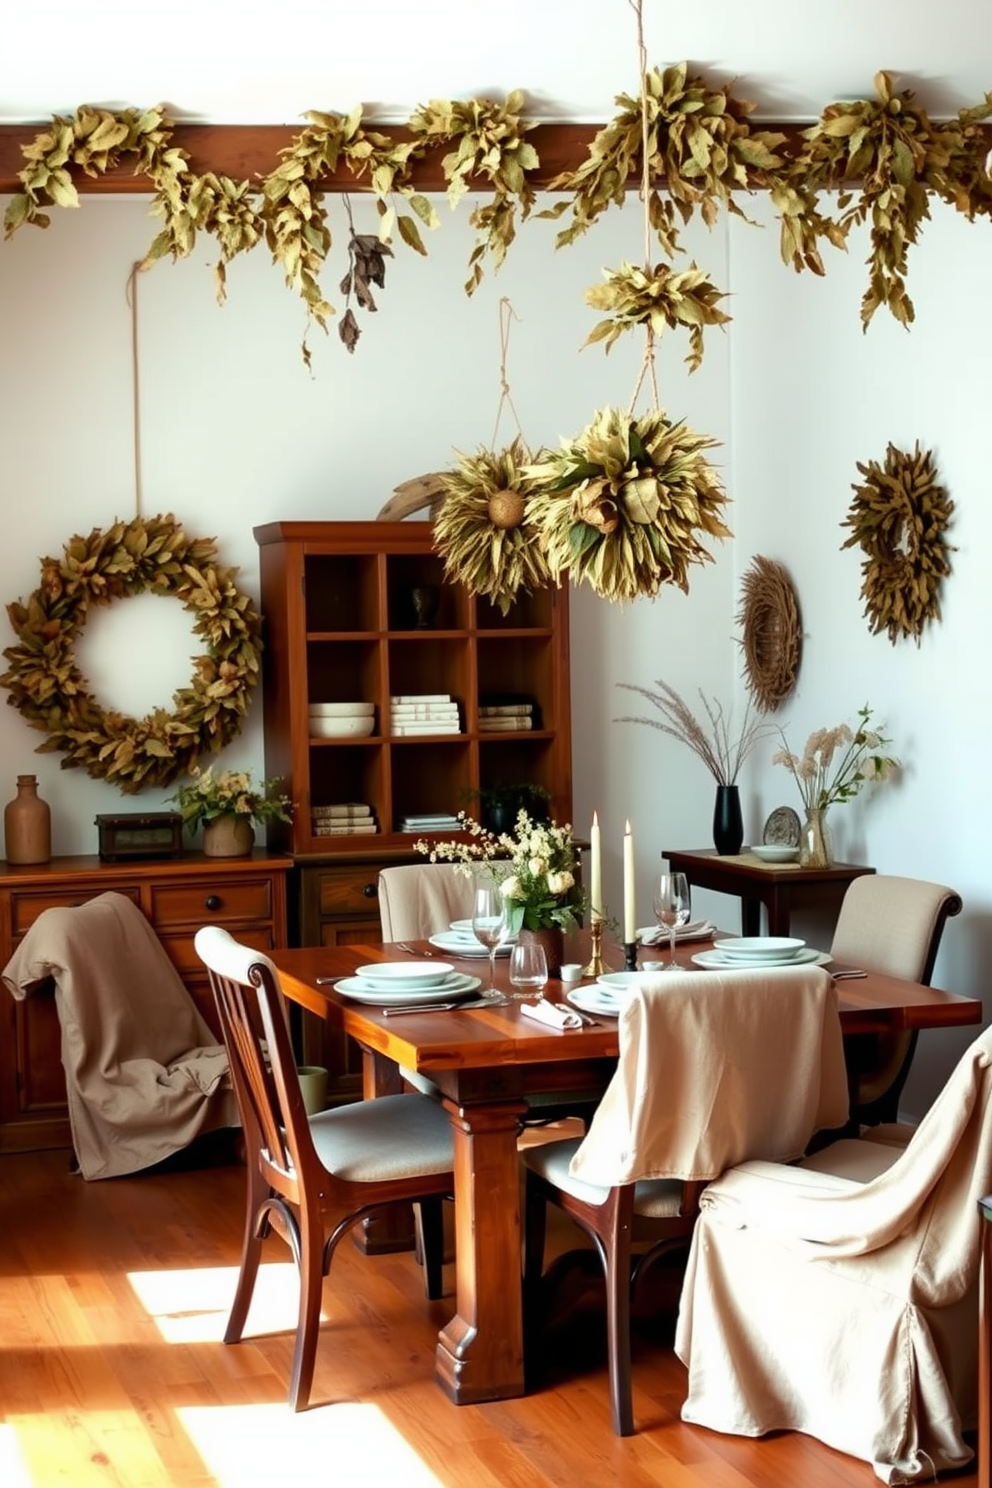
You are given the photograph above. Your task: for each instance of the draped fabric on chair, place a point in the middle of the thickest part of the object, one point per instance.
(419, 899)
(892, 925)
(713, 1068)
(144, 1073)
(839, 1297)
(310, 1179)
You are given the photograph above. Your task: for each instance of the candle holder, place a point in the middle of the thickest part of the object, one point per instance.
(630, 955)
(595, 968)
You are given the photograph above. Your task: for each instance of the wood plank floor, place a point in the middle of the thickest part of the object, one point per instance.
(113, 1301)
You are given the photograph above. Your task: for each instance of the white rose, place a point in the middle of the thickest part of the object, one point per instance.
(560, 883)
(510, 887)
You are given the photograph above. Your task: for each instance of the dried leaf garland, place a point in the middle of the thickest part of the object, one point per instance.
(480, 530)
(620, 506)
(899, 517)
(657, 299)
(769, 617)
(45, 682)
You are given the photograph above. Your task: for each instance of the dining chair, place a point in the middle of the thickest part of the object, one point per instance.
(416, 900)
(838, 1296)
(714, 1067)
(311, 1179)
(891, 925)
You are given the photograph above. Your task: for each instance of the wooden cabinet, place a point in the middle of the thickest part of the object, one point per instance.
(245, 895)
(341, 626)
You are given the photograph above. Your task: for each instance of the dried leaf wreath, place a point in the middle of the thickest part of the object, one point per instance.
(769, 617)
(898, 518)
(46, 684)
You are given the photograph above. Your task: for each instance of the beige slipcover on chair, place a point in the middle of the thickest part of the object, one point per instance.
(144, 1072)
(838, 1297)
(312, 1178)
(417, 900)
(892, 925)
(714, 1067)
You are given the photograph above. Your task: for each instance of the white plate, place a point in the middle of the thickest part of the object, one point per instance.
(590, 1000)
(772, 854)
(460, 945)
(767, 947)
(378, 996)
(713, 961)
(406, 973)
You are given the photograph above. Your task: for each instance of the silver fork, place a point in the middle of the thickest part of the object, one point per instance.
(401, 945)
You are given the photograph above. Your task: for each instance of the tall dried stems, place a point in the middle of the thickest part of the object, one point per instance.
(722, 750)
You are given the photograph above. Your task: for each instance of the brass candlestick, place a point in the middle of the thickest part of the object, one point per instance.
(595, 967)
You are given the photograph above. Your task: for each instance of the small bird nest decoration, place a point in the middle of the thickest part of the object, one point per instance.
(480, 528)
(769, 617)
(899, 517)
(620, 506)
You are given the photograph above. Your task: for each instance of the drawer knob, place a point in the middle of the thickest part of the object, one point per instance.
(213, 901)
(370, 890)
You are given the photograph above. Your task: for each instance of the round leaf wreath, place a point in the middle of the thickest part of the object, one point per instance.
(46, 684)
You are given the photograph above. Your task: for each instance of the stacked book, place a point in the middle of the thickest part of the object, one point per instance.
(429, 822)
(344, 819)
(423, 713)
(506, 717)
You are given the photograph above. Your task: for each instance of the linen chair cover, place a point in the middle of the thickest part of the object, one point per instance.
(144, 1072)
(311, 1179)
(891, 925)
(839, 1297)
(417, 900)
(712, 1069)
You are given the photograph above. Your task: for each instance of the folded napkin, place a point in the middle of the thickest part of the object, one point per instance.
(658, 935)
(551, 1013)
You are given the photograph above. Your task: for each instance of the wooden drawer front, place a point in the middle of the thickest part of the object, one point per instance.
(350, 891)
(182, 952)
(26, 906)
(211, 903)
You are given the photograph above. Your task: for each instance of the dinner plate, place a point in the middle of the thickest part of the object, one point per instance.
(765, 947)
(406, 974)
(463, 929)
(458, 985)
(713, 961)
(461, 945)
(591, 1000)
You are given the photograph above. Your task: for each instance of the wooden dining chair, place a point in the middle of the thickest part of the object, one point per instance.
(891, 925)
(311, 1179)
(712, 1067)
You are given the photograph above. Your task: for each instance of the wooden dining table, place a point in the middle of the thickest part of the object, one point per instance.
(486, 1061)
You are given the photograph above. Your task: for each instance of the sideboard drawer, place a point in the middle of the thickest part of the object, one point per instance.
(350, 890)
(211, 903)
(26, 905)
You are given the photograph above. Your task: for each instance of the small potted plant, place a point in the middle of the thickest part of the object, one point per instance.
(226, 805)
(500, 802)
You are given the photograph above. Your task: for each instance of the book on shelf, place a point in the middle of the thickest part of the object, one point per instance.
(349, 809)
(504, 725)
(400, 730)
(401, 712)
(505, 710)
(421, 697)
(344, 829)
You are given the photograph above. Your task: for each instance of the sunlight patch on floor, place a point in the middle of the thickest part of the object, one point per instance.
(13, 1468)
(192, 1306)
(269, 1443)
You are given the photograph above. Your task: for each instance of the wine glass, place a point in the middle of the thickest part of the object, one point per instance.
(671, 907)
(529, 969)
(489, 924)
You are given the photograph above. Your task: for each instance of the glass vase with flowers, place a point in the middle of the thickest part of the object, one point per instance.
(834, 767)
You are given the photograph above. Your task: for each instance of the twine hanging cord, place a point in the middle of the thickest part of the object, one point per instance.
(131, 295)
(647, 369)
(506, 315)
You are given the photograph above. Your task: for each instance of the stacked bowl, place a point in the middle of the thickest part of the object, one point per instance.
(341, 720)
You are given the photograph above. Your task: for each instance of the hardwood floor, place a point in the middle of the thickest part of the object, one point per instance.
(113, 1301)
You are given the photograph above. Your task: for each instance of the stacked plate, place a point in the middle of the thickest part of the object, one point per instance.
(341, 720)
(608, 993)
(459, 940)
(760, 950)
(396, 983)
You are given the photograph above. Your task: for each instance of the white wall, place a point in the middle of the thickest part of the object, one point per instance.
(235, 432)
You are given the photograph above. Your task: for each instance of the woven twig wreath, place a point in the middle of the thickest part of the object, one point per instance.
(47, 686)
(769, 617)
(898, 518)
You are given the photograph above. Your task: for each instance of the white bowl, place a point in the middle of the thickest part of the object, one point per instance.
(772, 854)
(356, 727)
(760, 947)
(409, 973)
(340, 710)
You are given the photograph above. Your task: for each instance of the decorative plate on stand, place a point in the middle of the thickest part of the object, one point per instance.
(782, 828)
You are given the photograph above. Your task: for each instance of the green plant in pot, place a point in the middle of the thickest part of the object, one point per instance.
(500, 802)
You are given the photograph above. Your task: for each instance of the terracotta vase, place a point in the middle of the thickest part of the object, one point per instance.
(815, 849)
(553, 941)
(27, 824)
(228, 837)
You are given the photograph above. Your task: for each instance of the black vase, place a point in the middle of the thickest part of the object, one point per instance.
(728, 823)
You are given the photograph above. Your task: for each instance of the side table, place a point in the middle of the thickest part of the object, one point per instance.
(780, 887)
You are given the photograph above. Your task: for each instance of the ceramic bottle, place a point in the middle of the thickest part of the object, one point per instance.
(27, 824)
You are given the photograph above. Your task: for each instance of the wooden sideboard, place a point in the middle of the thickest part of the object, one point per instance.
(245, 895)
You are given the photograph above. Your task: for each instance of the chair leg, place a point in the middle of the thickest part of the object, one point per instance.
(429, 1220)
(251, 1253)
(618, 1290)
(308, 1324)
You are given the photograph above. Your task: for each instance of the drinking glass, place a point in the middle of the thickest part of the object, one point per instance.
(489, 925)
(671, 907)
(529, 969)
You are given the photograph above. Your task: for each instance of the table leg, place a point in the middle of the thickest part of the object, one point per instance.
(480, 1353)
(751, 917)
